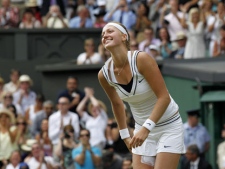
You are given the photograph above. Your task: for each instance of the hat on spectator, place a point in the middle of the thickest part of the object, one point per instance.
(8, 113)
(180, 36)
(28, 145)
(99, 12)
(31, 3)
(25, 78)
(101, 2)
(194, 112)
(153, 47)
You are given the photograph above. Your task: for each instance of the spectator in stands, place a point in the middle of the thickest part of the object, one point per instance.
(196, 133)
(65, 147)
(24, 96)
(194, 159)
(55, 19)
(21, 131)
(155, 52)
(142, 21)
(111, 160)
(82, 20)
(61, 118)
(105, 54)
(9, 16)
(48, 108)
(181, 42)
(29, 21)
(48, 3)
(96, 122)
(15, 159)
(122, 14)
(149, 40)
(39, 160)
(89, 56)
(99, 15)
(34, 109)
(172, 20)
(72, 92)
(7, 101)
(221, 151)
(219, 45)
(2, 82)
(85, 156)
(43, 139)
(13, 85)
(166, 45)
(127, 163)
(8, 134)
(215, 24)
(195, 47)
(133, 45)
(33, 5)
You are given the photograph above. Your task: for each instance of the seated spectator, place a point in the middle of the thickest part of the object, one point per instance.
(24, 96)
(46, 4)
(99, 15)
(149, 40)
(219, 45)
(8, 134)
(104, 53)
(13, 85)
(133, 45)
(9, 16)
(29, 21)
(26, 149)
(15, 159)
(34, 109)
(172, 19)
(61, 118)
(22, 131)
(43, 138)
(165, 46)
(82, 20)
(54, 19)
(155, 53)
(2, 82)
(48, 109)
(122, 14)
(7, 101)
(221, 151)
(39, 160)
(127, 163)
(85, 156)
(110, 160)
(195, 47)
(33, 6)
(194, 159)
(181, 42)
(89, 56)
(96, 122)
(142, 21)
(65, 146)
(72, 92)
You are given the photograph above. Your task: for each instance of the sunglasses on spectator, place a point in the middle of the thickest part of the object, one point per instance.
(85, 135)
(8, 97)
(19, 123)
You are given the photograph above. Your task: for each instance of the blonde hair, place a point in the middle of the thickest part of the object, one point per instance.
(101, 105)
(191, 12)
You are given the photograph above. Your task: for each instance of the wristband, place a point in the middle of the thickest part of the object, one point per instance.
(149, 124)
(124, 133)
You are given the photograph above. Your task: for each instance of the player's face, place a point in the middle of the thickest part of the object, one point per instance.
(111, 37)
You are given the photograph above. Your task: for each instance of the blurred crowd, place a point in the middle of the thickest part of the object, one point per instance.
(74, 131)
(163, 28)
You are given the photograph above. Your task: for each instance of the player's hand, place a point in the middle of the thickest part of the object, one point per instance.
(139, 137)
(127, 142)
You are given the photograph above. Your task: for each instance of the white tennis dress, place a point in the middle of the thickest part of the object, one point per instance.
(142, 100)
